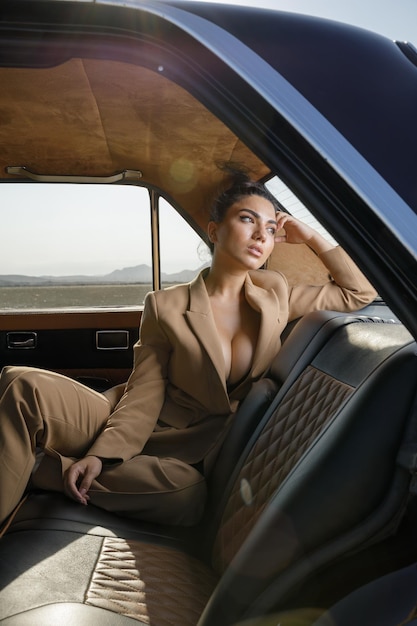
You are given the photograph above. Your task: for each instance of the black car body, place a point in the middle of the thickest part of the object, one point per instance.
(118, 92)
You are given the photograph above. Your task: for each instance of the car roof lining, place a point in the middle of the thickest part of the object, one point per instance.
(94, 117)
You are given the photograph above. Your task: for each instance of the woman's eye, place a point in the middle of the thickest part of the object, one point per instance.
(246, 218)
(272, 230)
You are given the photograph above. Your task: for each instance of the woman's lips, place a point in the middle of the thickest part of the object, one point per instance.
(256, 251)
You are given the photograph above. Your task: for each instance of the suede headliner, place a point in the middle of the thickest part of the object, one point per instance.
(97, 117)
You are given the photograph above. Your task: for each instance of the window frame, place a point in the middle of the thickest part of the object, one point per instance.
(154, 195)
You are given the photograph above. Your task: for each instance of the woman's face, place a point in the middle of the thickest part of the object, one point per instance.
(245, 237)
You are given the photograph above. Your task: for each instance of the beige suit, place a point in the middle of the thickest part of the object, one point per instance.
(175, 405)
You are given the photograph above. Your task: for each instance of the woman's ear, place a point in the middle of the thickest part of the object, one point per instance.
(212, 231)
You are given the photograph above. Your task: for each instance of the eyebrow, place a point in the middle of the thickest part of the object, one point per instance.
(255, 214)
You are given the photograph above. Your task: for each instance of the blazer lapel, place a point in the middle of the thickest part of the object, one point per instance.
(201, 320)
(267, 303)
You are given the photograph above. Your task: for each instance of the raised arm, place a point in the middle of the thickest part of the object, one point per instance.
(348, 289)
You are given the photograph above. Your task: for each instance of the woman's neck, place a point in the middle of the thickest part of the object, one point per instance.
(225, 284)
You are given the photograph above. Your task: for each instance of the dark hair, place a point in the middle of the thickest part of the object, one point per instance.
(241, 185)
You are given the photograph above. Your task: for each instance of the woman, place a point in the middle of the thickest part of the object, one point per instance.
(201, 347)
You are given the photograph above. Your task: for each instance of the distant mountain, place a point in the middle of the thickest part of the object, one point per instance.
(137, 274)
(143, 274)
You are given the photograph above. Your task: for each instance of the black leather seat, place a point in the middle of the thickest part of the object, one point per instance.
(313, 476)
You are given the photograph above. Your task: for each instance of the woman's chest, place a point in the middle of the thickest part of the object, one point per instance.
(237, 332)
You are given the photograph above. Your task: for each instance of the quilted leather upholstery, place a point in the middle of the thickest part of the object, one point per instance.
(129, 579)
(306, 409)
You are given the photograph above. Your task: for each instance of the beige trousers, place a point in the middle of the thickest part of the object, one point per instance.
(44, 410)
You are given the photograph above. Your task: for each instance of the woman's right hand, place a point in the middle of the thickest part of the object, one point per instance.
(78, 478)
(291, 230)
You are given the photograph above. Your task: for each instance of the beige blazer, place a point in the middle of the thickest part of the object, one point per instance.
(176, 401)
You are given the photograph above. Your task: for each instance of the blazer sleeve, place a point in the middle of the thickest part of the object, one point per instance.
(348, 289)
(136, 414)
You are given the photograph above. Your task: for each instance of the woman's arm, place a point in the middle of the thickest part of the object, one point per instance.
(348, 289)
(136, 414)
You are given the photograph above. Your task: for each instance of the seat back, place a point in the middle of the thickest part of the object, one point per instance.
(319, 465)
(303, 341)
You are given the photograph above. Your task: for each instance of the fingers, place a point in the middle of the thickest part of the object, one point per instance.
(287, 226)
(291, 230)
(280, 238)
(79, 476)
(71, 479)
(281, 218)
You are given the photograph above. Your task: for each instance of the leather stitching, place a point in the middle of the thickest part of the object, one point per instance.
(155, 584)
(309, 405)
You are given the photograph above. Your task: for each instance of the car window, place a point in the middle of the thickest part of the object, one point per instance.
(293, 205)
(66, 246)
(183, 253)
(71, 246)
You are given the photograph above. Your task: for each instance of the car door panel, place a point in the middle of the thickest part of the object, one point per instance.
(94, 347)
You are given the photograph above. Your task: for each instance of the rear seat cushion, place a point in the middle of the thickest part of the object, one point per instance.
(156, 583)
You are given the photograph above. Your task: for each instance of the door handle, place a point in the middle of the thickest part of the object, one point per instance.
(22, 341)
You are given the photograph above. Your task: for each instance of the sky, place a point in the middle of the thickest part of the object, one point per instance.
(396, 19)
(60, 248)
(56, 230)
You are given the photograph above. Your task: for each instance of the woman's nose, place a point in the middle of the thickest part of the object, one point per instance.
(260, 233)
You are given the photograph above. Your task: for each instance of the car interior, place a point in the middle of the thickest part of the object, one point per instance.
(311, 512)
